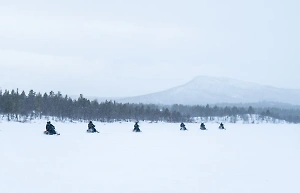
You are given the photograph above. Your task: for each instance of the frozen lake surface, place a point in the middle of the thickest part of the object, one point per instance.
(252, 158)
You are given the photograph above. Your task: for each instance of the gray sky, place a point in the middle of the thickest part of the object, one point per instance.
(127, 48)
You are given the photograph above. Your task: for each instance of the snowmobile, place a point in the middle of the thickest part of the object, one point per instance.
(202, 127)
(92, 130)
(136, 130)
(183, 128)
(136, 127)
(51, 133)
(221, 127)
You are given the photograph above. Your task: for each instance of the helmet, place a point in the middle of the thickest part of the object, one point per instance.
(48, 122)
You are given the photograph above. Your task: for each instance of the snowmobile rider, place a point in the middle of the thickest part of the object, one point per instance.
(221, 125)
(182, 126)
(202, 126)
(50, 128)
(91, 127)
(136, 127)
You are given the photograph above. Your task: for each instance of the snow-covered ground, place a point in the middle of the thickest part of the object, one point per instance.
(250, 158)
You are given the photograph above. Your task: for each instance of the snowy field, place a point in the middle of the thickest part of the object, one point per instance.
(252, 158)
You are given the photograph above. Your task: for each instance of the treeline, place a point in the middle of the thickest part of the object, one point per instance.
(16, 105)
(21, 106)
(289, 115)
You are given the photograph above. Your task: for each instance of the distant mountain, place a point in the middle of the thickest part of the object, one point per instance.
(204, 90)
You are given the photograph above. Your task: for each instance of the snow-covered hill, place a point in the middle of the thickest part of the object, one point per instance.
(211, 90)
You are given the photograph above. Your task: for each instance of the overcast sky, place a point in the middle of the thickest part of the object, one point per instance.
(133, 47)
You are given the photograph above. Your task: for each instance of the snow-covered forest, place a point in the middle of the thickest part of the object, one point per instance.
(22, 106)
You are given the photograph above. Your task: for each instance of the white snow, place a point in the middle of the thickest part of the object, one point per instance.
(204, 90)
(245, 158)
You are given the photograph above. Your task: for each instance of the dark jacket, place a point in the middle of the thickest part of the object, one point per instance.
(91, 125)
(136, 127)
(221, 126)
(50, 127)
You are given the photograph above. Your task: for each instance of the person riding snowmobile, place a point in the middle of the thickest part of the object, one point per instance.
(91, 128)
(202, 126)
(50, 129)
(136, 127)
(182, 126)
(221, 126)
